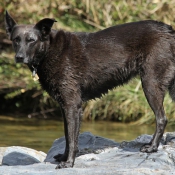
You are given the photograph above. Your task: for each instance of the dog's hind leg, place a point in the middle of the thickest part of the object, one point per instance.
(154, 92)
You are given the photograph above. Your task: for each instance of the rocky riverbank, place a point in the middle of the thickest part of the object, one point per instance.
(96, 155)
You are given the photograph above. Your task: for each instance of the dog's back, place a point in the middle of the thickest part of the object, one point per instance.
(115, 55)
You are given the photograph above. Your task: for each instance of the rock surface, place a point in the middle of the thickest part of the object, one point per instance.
(102, 156)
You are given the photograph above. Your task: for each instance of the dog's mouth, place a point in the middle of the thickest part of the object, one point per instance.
(26, 61)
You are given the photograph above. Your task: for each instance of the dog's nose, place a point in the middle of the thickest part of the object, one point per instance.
(19, 58)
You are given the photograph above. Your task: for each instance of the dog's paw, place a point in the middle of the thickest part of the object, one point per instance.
(149, 149)
(64, 165)
(61, 157)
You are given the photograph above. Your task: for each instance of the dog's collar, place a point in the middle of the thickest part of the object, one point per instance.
(34, 67)
(34, 73)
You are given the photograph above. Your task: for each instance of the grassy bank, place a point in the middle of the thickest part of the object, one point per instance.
(19, 93)
(126, 104)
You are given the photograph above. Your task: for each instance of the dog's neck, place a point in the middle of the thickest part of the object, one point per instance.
(34, 68)
(39, 58)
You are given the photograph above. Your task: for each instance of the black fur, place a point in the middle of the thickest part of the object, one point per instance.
(76, 67)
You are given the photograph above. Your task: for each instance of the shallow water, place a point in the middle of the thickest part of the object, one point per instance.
(40, 134)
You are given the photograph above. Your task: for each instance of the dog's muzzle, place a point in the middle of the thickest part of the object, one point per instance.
(19, 58)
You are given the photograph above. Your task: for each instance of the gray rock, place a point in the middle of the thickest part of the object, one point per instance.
(170, 139)
(100, 156)
(87, 143)
(16, 158)
(16, 155)
(136, 144)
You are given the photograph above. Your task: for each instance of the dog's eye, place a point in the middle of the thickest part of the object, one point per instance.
(16, 40)
(30, 40)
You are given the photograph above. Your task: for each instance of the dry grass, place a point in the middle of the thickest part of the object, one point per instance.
(96, 13)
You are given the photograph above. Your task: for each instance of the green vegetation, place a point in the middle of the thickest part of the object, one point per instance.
(21, 94)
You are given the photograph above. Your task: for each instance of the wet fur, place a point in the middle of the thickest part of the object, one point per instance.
(76, 67)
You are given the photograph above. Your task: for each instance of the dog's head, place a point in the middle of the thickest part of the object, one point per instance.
(30, 42)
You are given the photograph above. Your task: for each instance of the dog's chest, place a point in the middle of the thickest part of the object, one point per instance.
(49, 79)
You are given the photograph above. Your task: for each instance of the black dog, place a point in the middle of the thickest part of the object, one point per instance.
(76, 67)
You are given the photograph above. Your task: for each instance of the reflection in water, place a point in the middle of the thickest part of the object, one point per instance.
(40, 134)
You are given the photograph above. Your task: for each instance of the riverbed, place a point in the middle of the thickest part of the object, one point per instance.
(39, 134)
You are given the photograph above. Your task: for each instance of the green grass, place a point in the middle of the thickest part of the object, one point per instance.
(123, 104)
(126, 104)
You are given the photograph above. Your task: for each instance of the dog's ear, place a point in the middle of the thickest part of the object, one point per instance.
(44, 26)
(9, 23)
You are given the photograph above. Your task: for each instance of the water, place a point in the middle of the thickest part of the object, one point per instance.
(40, 134)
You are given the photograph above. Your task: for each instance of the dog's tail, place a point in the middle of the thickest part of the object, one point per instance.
(171, 89)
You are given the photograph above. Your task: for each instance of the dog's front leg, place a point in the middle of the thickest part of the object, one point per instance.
(72, 119)
(63, 157)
